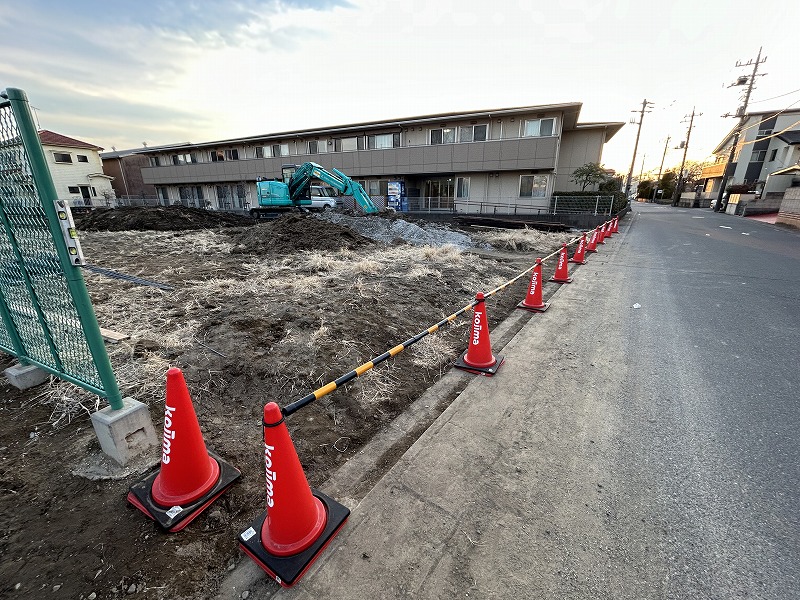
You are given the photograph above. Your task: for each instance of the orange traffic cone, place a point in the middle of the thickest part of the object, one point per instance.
(533, 300)
(562, 270)
(580, 252)
(601, 229)
(615, 224)
(299, 522)
(190, 478)
(610, 228)
(478, 357)
(592, 245)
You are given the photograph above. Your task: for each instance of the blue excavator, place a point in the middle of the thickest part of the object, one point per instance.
(293, 192)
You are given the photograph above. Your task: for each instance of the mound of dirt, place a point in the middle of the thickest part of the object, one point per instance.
(294, 232)
(158, 218)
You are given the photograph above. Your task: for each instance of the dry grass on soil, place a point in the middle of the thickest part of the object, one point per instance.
(249, 322)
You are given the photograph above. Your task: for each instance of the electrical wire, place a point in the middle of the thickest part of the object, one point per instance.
(775, 97)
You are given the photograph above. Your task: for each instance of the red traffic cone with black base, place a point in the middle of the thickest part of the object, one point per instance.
(299, 522)
(190, 477)
(562, 270)
(478, 357)
(580, 252)
(592, 245)
(533, 300)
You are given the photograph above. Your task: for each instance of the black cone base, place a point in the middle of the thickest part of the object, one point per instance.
(287, 570)
(539, 309)
(175, 518)
(488, 371)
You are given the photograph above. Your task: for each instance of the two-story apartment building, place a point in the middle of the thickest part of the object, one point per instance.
(76, 169)
(769, 142)
(465, 160)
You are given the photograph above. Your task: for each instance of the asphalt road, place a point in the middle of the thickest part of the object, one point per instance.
(710, 442)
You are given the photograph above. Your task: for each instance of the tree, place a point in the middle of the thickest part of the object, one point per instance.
(589, 174)
(645, 189)
(667, 184)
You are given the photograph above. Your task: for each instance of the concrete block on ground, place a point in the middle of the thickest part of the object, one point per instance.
(26, 376)
(125, 433)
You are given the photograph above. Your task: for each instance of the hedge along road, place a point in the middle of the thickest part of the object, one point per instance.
(621, 452)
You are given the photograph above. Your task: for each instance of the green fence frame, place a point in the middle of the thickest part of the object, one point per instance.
(47, 316)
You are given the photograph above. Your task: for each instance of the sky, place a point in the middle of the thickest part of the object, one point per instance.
(119, 74)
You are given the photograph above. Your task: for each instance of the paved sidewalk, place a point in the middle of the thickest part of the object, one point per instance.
(501, 494)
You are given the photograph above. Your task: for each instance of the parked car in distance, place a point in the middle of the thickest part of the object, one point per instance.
(323, 197)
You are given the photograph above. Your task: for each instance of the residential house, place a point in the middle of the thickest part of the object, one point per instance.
(769, 142)
(77, 170)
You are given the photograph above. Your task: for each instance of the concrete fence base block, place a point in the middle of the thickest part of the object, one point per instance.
(26, 376)
(125, 433)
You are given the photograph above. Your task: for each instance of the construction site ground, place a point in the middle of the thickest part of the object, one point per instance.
(257, 312)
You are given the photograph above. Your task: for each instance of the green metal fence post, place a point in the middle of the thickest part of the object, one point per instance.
(74, 278)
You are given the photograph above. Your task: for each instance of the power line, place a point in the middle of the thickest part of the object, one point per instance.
(774, 97)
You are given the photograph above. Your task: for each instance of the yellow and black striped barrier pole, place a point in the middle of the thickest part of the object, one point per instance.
(367, 366)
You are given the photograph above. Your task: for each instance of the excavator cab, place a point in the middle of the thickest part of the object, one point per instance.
(287, 172)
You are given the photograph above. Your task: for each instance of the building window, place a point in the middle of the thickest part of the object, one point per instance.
(163, 193)
(385, 140)
(83, 158)
(280, 150)
(538, 127)
(74, 189)
(62, 157)
(223, 196)
(378, 187)
(154, 161)
(764, 133)
(184, 159)
(758, 156)
(462, 187)
(217, 156)
(259, 152)
(444, 135)
(191, 195)
(472, 133)
(232, 154)
(317, 146)
(773, 155)
(350, 144)
(532, 186)
(241, 195)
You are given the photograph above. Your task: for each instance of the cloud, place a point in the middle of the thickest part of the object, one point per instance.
(89, 62)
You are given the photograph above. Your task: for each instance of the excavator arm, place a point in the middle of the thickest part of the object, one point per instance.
(302, 179)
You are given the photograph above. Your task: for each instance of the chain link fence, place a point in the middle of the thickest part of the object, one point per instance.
(47, 317)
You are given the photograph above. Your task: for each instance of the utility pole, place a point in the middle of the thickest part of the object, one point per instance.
(645, 106)
(679, 186)
(741, 112)
(661, 168)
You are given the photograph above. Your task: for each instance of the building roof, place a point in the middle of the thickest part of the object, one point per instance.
(611, 127)
(790, 137)
(50, 138)
(793, 170)
(571, 111)
(131, 151)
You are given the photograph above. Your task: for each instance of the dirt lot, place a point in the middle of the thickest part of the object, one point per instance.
(259, 312)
